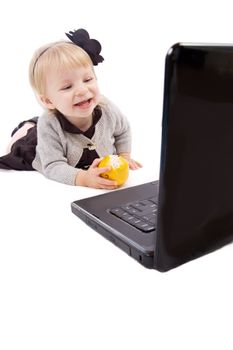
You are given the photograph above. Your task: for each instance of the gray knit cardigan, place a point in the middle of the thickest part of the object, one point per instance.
(58, 151)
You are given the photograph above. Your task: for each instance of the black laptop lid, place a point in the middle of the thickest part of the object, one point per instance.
(196, 177)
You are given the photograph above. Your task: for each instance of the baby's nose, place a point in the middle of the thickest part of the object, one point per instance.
(81, 90)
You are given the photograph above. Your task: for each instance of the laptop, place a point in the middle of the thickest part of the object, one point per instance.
(188, 212)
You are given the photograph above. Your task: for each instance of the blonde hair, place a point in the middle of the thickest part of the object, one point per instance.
(59, 55)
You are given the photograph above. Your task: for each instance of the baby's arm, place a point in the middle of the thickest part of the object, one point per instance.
(92, 178)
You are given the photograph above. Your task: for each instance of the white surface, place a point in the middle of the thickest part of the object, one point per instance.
(65, 287)
(62, 286)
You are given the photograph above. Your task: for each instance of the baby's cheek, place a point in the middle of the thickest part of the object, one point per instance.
(97, 94)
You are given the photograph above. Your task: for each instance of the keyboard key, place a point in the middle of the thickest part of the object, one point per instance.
(140, 214)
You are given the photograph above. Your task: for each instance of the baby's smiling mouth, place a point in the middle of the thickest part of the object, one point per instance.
(84, 103)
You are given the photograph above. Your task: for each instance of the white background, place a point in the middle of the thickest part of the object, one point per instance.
(62, 286)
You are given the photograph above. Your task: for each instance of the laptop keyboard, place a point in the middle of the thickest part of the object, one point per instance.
(141, 214)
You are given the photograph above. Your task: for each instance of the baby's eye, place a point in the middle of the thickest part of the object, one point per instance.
(87, 79)
(67, 87)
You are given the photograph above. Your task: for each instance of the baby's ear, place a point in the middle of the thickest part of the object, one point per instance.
(46, 102)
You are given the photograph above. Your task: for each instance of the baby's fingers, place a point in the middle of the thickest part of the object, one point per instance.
(133, 165)
(95, 163)
(100, 171)
(108, 184)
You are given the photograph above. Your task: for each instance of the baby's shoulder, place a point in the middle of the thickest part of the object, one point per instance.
(47, 120)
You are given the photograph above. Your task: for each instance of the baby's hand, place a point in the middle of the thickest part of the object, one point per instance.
(92, 178)
(133, 164)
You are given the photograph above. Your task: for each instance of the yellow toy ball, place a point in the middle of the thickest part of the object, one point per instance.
(119, 168)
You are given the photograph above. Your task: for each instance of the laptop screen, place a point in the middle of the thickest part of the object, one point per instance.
(196, 176)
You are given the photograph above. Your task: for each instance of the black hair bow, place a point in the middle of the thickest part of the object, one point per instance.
(81, 38)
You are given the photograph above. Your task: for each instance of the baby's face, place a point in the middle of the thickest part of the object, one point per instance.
(72, 92)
